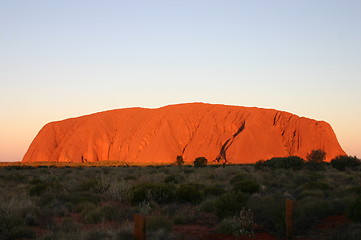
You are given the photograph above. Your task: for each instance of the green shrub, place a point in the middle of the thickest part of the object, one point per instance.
(189, 193)
(176, 178)
(311, 194)
(246, 186)
(130, 177)
(229, 204)
(237, 178)
(259, 165)
(200, 162)
(109, 212)
(214, 190)
(292, 162)
(342, 162)
(355, 189)
(310, 210)
(98, 234)
(157, 222)
(160, 193)
(229, 225)
(41, 186)
(80, 197)
(317, 156)
(85, 207)
(317, 186)
(269, 212)
(69, 225)
(354, 210)
(208, 205)
(97, 215)
(351, 231)
(242, 224)
(90, 185)
(21, 232)
(9, 222)
(38, 189)
(179, 161)
(315, 166)
(188, 171)
(91, 217)
(183, 219)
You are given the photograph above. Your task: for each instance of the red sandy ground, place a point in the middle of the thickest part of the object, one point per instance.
(204, 232)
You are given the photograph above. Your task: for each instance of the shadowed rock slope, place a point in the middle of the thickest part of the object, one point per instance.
(156, 136)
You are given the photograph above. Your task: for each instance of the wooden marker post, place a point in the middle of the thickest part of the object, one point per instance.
(139, 227)
(289, 218)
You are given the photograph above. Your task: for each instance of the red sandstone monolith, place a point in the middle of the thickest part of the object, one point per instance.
(140, 136)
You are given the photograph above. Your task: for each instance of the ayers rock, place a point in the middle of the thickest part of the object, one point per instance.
(141, 136)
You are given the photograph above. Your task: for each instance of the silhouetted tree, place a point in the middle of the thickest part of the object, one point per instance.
(317, 156)
(200, 162)
(179, 161)
(315, 160)
(343, 161)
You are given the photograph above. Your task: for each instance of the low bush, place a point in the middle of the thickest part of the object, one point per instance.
(316, 155)
(69, 225)
(200, 162)
(85, 207)
(160, 193)
(292, 162)
(237, 178)
(315, 166)
(20, 232)
(189, 193)
(176, 178)
(157, 222)
(310, 210)
(229, 225)
(242, 224)
(311, 194)
(38, 189)
(98, 234)
(179, 161)
(355, 189)
(214, 190)
(351, 231)
(93, 216)
(228, 204)
(317, 186)
(342, 162)
(101, 214)
(184, 218)
(91, 185)
(246, 186)
(269, 212)
(354, 210)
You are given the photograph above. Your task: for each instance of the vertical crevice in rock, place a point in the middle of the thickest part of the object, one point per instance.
(223, 152)
(275, 119)
(194, 132)
(111, 142)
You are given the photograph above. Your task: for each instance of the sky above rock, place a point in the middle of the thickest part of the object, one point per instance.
(69, 58)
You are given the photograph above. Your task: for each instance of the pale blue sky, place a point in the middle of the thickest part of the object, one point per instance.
(61, 59)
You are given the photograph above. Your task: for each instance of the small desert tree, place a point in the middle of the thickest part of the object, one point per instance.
(315, 159)
(343, 161)
(200, 162)
(179, 162)
(317, 156)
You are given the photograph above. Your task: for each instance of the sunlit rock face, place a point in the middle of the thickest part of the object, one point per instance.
(156, 136)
